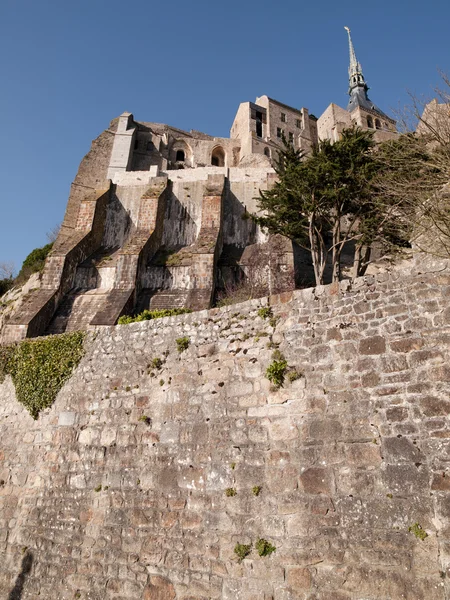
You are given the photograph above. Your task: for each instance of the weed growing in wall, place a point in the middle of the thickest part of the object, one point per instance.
(264, 548)
(418, 531)
(242, 550)
(182, 343)
(148, 315)
(40, 367)
(265, 312)
(276, 371)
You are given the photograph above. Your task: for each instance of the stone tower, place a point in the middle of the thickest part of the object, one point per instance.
(360, 109)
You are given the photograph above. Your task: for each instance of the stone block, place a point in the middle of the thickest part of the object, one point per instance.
(317, 480)
(298, 578)
(372, 345)
(66, 419)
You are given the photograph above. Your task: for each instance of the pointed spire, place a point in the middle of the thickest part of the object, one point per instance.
(354, 64)
(355, 74)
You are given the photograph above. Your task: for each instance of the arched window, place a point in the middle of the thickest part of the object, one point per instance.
(377, 124)
(218, 157)
(370, 122)
(267, 152)
(180, 156)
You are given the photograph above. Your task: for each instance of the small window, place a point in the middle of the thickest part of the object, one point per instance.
(370, 122)
(377, 124)
(279, 132)
(259, 124)
(180, 156)
(150, 146)
(298, 123)
(267, 152)
(283, 117)
(291, 137)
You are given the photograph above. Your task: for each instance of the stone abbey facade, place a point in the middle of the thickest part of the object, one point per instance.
(158, 217)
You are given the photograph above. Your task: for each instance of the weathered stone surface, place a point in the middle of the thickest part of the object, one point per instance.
(130, 488)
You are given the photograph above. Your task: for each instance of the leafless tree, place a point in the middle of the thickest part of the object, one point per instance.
(416, 174)
(53, 233)
(7, 270)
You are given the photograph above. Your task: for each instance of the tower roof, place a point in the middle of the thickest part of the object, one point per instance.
(358, 87)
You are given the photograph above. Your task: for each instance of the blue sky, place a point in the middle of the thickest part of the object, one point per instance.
(68, 68)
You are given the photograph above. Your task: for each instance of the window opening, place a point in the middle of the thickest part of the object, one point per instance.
(180, 156)
(259, 122)
(283, 117)
(218, 157)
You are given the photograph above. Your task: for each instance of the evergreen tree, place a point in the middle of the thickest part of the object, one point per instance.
(326, 200)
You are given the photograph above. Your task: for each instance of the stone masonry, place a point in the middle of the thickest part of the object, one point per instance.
(119, 490)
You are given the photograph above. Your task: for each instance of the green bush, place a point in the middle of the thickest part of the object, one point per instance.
(34, 262)
(40, 367)
(148, 315)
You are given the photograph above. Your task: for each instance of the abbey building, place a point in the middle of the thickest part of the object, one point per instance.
(157, 217)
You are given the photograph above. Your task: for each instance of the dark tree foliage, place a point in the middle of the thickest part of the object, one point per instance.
(34, 262)
(326, 200)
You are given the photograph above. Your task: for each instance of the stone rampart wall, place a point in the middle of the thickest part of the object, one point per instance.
(120, 489)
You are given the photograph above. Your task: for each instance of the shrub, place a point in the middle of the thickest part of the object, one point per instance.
(40, 367)
(242, 550)
(264, 548)
(276, 371)
(148, 315)
(5, 285)
(183, 344)
(230, 492)
(34, 262)
(256, 490)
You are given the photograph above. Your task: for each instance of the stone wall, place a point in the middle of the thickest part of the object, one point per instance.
(120, 489)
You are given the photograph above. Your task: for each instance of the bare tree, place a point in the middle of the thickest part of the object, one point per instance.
(53, 233)
(415, 173)
(7, 270)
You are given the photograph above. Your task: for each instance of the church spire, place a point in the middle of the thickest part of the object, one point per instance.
(355, 74)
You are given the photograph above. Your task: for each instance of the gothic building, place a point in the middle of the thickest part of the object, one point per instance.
(157, 217)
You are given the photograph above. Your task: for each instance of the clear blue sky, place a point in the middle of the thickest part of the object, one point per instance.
(68, 68)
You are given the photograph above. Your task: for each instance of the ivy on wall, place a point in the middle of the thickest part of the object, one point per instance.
(40, 367)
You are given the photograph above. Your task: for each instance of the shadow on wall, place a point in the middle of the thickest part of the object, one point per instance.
(239, 229)
(27, 563)
(118, 225)
(180, 228)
